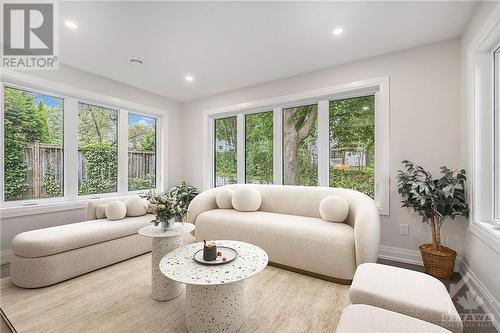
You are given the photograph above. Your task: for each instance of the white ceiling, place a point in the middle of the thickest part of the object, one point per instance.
(230, 45)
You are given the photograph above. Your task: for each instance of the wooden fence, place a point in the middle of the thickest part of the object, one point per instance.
(43, 158)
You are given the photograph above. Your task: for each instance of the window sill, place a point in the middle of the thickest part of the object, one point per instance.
(488, 233)
(17, 211)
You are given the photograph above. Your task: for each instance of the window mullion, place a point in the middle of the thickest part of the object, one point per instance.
(323, 143)
(70, 142)
(277, 146)
(122, 151)
(240, 148)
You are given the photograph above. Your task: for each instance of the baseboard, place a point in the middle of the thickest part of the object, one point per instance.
(491, 304)
(407, 256)
(5, 256)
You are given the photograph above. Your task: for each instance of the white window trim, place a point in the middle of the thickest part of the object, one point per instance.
(378, 86)
(481, 113)
(71, 96)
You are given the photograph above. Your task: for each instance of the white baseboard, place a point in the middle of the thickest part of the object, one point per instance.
(5, 256)
(407, 256)
(491, 304)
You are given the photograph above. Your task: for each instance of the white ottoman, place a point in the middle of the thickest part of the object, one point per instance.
(360, 318)
(408, 292)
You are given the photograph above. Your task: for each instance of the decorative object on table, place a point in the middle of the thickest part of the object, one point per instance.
(434, 200)
(209, 251)
(172, 206)
(224, 255)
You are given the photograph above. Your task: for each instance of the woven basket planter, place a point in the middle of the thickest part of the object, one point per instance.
(438, 263)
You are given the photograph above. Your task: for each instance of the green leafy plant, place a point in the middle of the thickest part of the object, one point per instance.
(101, 168)
(433, 199)
(174, 203)
(49, 183)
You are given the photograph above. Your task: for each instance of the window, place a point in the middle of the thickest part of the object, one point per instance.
(259, 148)
(300, 152)
(335, 136)
(141, 152)
(97, 149)
(225, 153)
(33, 145)
(497, 135)
(352, 144)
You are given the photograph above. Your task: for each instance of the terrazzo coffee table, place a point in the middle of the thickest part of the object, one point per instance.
(215, 295)
(164, 241)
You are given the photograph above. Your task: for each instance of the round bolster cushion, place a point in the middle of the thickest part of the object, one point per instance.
(224, 198)
(116, 210)
(246, 199)
(136, 206)
(334, 208)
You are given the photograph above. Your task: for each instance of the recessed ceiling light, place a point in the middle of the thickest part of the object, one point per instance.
(71, 24)
(136, 61)
(189, 78)
(337, 31)
(366, 108)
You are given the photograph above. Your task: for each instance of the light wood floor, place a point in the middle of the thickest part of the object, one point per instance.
(117, 299)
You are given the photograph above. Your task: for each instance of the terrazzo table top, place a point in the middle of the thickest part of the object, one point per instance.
(176, 230)
(180, 266)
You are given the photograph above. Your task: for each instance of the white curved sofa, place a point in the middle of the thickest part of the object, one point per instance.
(47, 256)
(288, 226)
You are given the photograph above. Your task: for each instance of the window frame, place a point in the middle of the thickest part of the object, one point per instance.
(482, 81)
(71, 97)
(379, 87)
(496, 131)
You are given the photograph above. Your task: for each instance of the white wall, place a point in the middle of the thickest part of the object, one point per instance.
(480, 258)
(424, 96)
(9, 227)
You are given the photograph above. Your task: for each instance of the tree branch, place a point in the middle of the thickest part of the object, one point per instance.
(308, 125)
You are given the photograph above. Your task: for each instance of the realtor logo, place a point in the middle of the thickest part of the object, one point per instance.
(29, 36)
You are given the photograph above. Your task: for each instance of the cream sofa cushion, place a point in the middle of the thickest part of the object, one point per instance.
(116, 210)
(136, 206)
(361, 318)
(334, 208)
(389, 288)
(100, 211)
(224, 199)
(246, 199)
(48, 241)
(306, 243)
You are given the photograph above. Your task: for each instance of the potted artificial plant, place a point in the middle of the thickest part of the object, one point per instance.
(434, 200)
(172, 206)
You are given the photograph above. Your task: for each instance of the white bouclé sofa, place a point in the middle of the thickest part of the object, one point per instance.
(288, 226)
(47, 256)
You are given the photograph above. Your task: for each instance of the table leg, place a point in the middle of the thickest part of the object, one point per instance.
(162, 288)
(217, 308)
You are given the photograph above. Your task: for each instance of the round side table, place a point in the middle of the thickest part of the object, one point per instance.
(215, 295)
(164, 241)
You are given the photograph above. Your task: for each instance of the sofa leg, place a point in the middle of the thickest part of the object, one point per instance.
(312, 274)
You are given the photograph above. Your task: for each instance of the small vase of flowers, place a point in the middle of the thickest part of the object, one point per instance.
(172, 206)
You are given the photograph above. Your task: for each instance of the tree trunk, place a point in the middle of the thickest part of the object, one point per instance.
(438, 235)
(435, 244)
(290, 151)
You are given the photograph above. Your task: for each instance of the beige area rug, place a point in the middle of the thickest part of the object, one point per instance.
(117, 299)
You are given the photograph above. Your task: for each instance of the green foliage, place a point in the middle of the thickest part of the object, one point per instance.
(101, 168)
(259, 148)
(174, 203)
(50, 185)
(433, 198)
(22, 125)
(148, 142)
(362, 180)
(225, 161)
(96, 124)
(136, 184)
